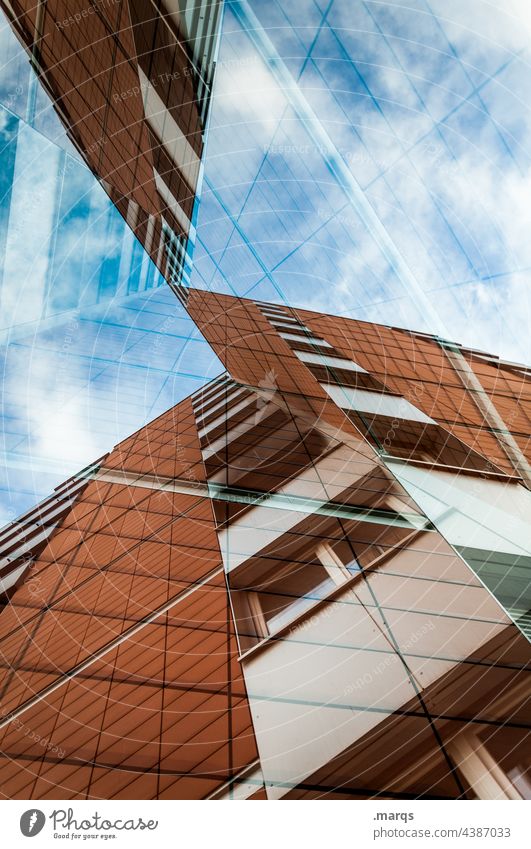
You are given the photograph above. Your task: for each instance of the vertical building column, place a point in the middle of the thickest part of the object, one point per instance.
(492, 417)
(35, 62)
(479, 769)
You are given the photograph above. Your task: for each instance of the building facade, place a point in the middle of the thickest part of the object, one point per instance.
(123, 88)
(310, 579)
(131, 82)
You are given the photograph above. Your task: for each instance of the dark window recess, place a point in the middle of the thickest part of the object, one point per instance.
(418, 441)
(175, 247)
(508, 577)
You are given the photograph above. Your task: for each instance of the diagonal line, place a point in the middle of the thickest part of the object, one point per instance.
(247, 241)
(336, 164)
(464, 68)
(235, 219)
(443, 120)
(130, 632)
(389, 168)
(437, 127)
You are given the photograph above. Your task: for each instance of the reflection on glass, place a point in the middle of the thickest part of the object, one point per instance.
(508, 577)
(285, 595)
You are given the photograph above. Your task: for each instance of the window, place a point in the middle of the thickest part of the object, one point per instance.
(175, 247)
(306, 339)
(278, 315)
(290, 589)
(339, 558)
(226, 401)
(508, 577)
(283, 326)
(328, 361)
(287, 594)
(165, 128)
(230, 411)
(233, 433)
(379, 403)
(172, 203)
(211, 390)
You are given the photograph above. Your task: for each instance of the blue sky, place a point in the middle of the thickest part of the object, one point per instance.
(428, 107)
(367, 158)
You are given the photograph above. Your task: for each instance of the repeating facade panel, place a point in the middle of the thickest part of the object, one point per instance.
(377, 591)
(118, 650)
(306, 580)
(131, 82)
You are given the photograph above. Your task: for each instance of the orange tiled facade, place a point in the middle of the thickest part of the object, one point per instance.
(298, 583)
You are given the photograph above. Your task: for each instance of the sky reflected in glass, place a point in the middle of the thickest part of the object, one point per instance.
(364, 158)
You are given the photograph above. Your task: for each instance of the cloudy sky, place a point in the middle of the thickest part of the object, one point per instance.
(427, 108)
(366, 158)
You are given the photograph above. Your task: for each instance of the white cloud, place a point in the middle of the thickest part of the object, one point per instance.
(246, 92)
(456, 207)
